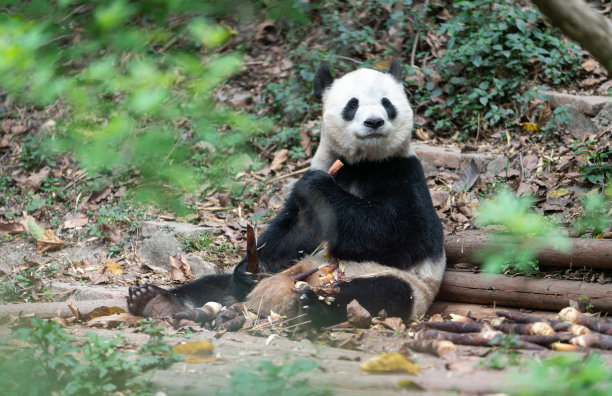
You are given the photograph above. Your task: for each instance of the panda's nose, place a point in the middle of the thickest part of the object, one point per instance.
(374, 123)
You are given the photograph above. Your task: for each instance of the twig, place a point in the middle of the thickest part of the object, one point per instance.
(297, 172)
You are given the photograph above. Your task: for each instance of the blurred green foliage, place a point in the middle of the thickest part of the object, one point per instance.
(520, 234)
(564, 375)
(61, 364)
(597, 213)
(137, 78)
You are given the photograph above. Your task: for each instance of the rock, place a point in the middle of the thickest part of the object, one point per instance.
(434, 158)
(603, 120)
(581, 126)
(200, 267)
(151, 227)
(156, 249)
(589, 105)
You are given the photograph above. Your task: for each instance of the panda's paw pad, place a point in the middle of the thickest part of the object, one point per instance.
(139, 296)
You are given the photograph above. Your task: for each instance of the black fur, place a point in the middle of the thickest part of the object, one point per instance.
(391, 110)
(349, 111)
(374, 294)
(323, 80)
(396, 70)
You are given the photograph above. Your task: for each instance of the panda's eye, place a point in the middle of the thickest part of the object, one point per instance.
(348, 113)
(391, 110)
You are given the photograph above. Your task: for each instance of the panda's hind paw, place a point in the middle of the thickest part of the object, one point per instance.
(152, 301)
(320, 312)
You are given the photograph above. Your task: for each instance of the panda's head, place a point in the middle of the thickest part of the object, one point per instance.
(366, 115)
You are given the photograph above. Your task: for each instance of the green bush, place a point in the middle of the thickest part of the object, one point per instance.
(493, 48)
(490, 53)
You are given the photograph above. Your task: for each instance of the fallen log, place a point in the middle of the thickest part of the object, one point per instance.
(58, 309)
(591, 253)
(523, 292)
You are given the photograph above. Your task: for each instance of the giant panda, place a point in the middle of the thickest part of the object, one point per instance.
(375, 216)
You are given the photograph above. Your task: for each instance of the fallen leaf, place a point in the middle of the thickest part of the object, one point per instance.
(409, 386)
(558, 193)
(181, 271)
(305, 142)
(115, 320)
(99, 196)
(5, 141)
(75, 221)
(589, 65)
(12, 228)
(528, 126)
(33, 182)
(468, 177)
(392, 323)
(357, 315)
(48, 242)
(390, 363)
(530, 161)
(195, 351)
(114, 268)
(113, 232)
(280, 157)
(96, 278)
(103, 311)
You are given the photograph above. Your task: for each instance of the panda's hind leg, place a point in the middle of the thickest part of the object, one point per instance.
(392, 294)
(152, 301)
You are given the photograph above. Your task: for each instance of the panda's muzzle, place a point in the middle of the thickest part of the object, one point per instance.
(374, 123)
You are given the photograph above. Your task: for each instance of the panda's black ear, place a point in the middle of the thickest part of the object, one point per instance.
(396, 70)
(323, 80)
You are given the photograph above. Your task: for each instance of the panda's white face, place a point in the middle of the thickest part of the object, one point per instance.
(366, 116)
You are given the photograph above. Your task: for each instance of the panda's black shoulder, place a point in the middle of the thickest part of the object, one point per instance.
(390, 173)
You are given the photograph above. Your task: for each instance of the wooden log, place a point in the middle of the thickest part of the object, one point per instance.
(59, 309)
(591, 253)
(521, 291)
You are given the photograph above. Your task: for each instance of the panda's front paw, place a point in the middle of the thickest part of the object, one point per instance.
(313, 182)
(320, 312)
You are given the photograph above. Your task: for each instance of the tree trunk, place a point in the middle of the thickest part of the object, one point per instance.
(591, 253)
(580, 23)
(522, 291)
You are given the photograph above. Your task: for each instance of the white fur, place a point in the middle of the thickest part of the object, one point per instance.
(350, 138)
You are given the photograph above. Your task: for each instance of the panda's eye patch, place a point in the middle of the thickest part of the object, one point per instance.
(391, 110)
(348, 113)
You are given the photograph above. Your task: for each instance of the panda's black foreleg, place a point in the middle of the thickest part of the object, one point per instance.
(393, 295)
